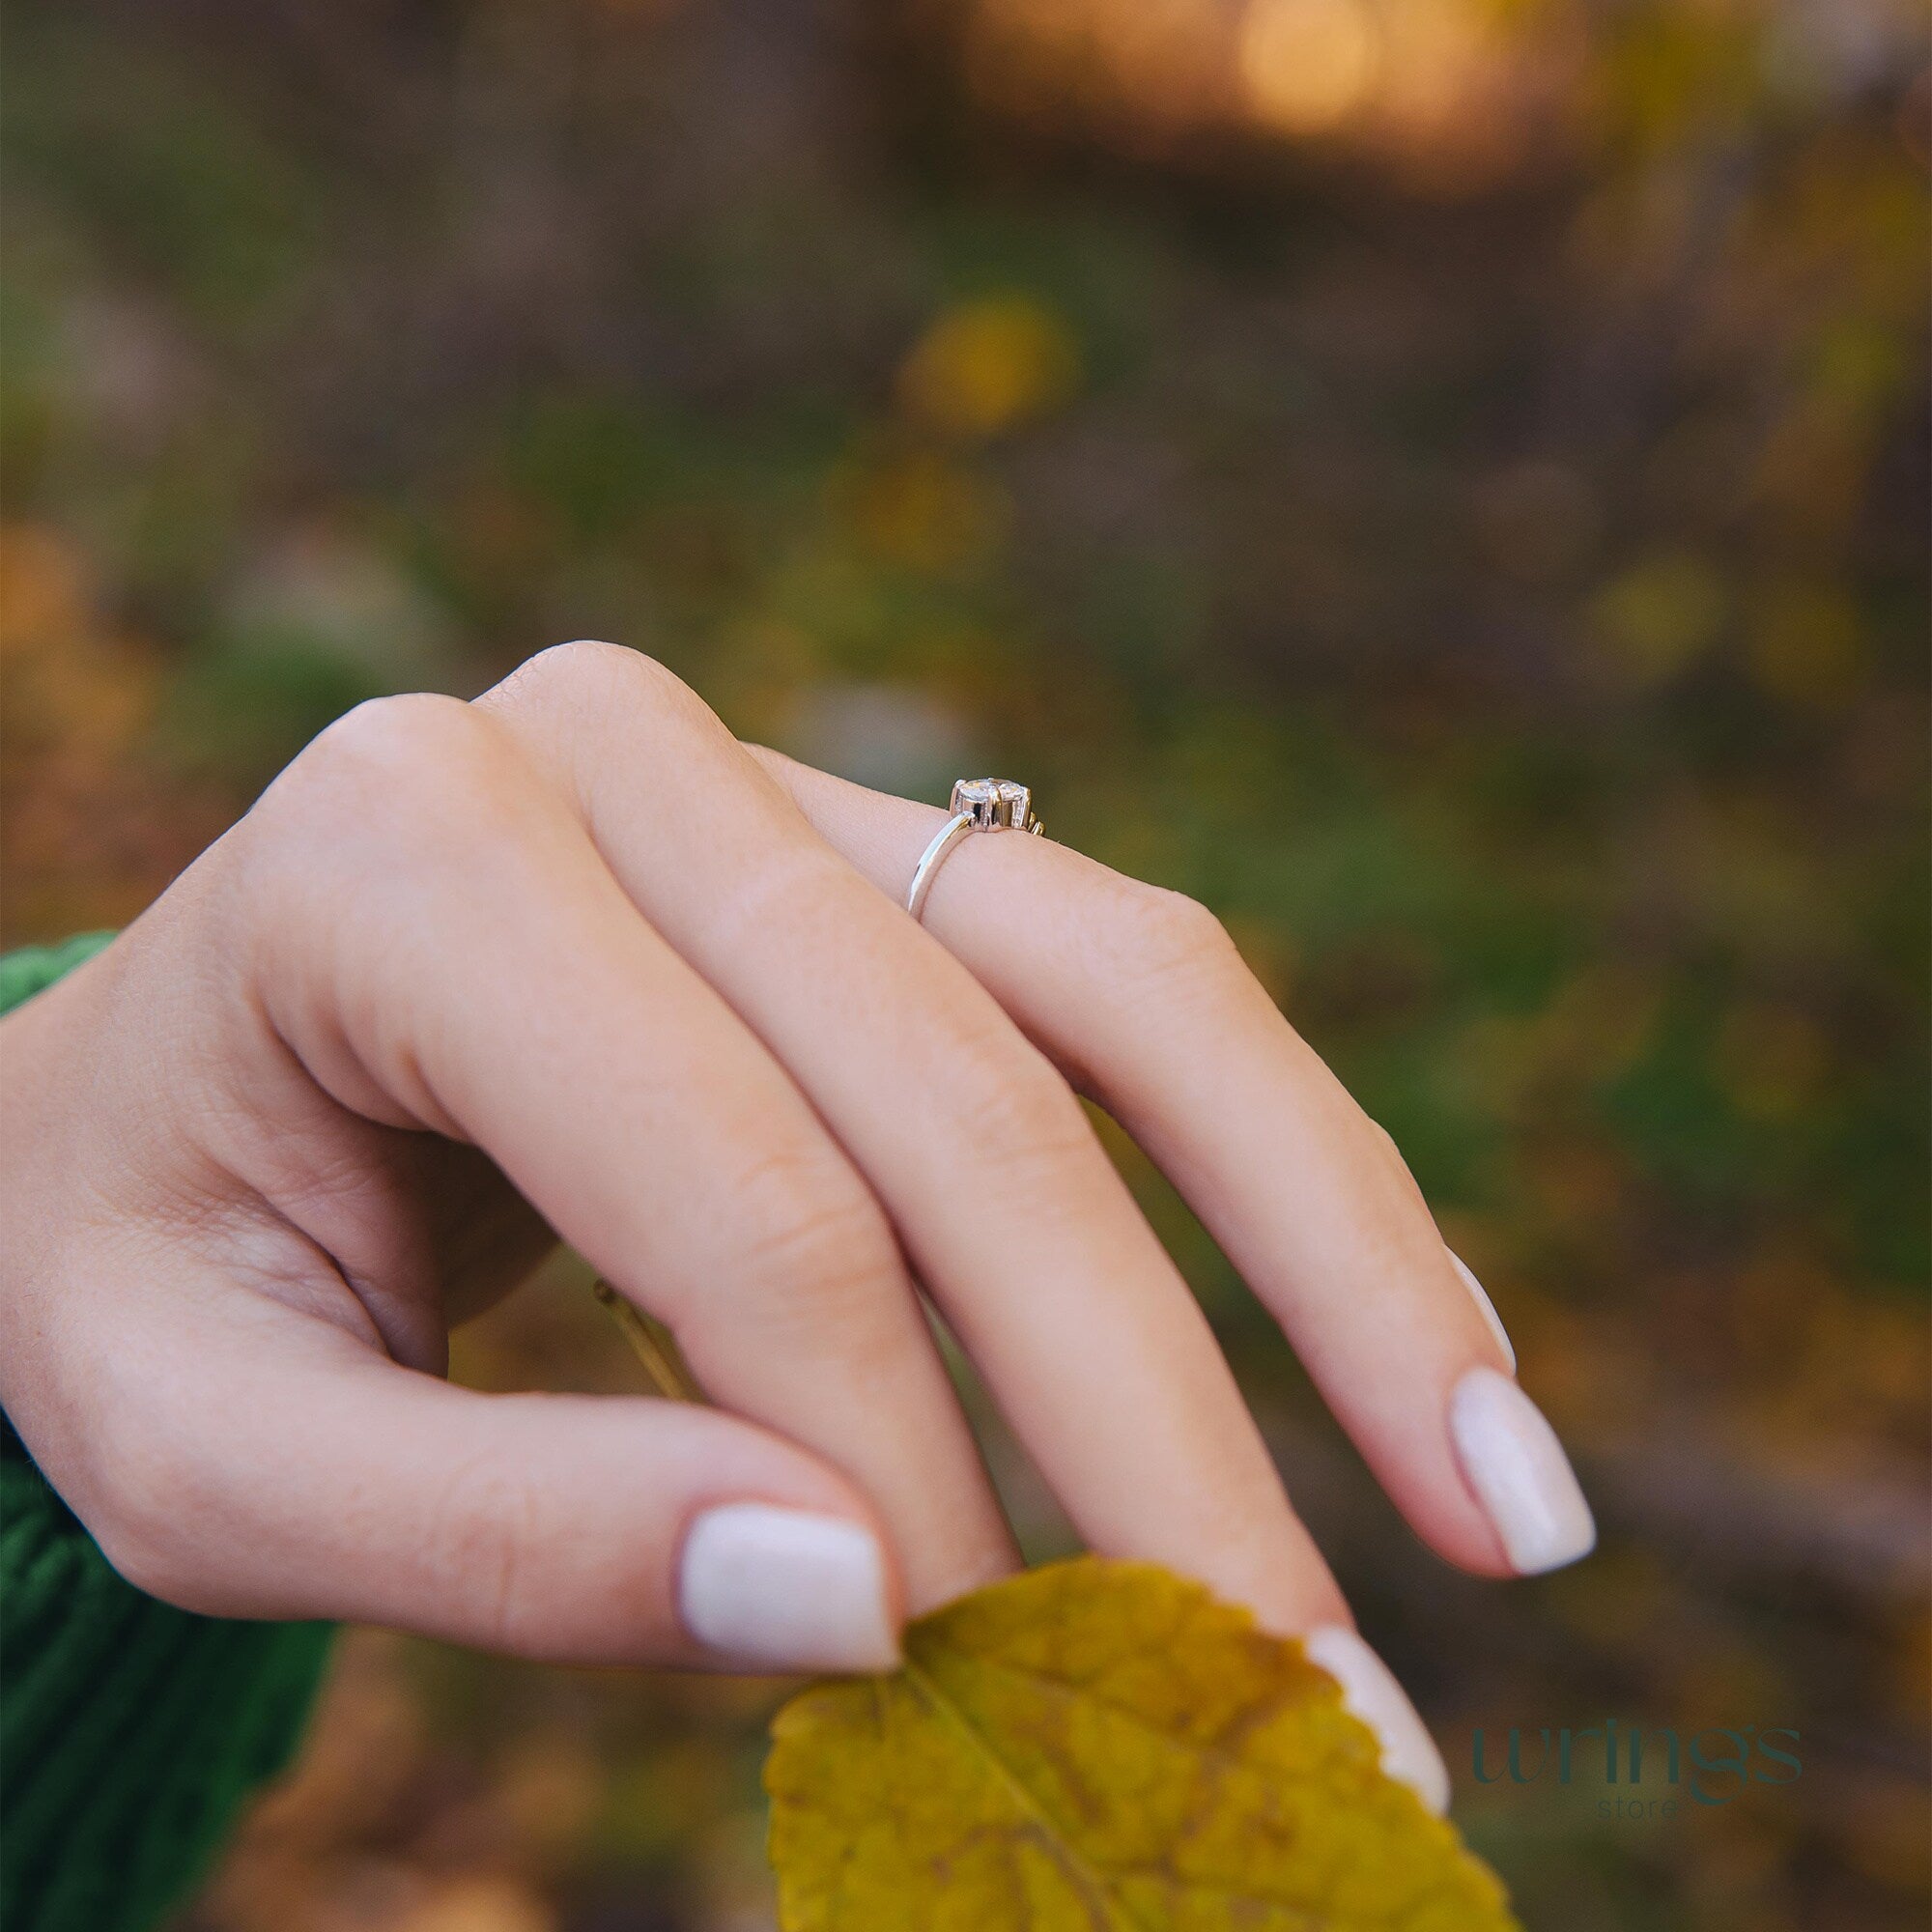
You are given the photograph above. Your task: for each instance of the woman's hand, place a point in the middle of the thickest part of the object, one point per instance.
(572, 958)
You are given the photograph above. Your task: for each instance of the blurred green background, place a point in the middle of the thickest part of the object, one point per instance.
(1442, 480)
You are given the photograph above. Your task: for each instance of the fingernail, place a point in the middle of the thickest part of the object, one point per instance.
(782, 1590)
(1513, 1461)
(1486, 1307)
(1370, 1692)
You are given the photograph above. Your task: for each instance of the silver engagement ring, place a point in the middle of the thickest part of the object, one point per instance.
(979, 805)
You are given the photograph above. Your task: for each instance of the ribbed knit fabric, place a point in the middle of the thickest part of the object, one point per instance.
(131, 1732)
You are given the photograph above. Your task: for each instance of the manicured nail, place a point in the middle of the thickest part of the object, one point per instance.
(1487, 1308)
(782, 1589)
(1370, 1692)
(1513, 1461)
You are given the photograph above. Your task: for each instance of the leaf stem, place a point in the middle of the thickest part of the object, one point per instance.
(653, 1345)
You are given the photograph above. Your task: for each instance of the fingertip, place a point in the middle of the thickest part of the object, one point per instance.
(1517, 1466)
(770, 1588)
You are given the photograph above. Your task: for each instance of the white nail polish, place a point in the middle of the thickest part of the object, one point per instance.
(1513, 1461)
(1370, 1692)
(782, 1590)
(1487, 1308)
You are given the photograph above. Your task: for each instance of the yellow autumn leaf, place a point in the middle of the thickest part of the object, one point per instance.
(1102, 1746)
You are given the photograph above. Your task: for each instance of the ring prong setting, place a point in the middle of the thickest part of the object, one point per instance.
(994, 805)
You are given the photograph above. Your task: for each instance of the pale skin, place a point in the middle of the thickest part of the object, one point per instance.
(571, 961)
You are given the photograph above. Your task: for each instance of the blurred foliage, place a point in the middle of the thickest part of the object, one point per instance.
(1442, 480)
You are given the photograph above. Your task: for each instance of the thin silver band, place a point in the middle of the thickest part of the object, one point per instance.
(930, 860)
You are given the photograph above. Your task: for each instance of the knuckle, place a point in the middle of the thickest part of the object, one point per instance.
(813, 1235)
(393, 738)
(483, 1551)
(1013, 1108)
(415, 772)
(589, 673)
(1156, 942)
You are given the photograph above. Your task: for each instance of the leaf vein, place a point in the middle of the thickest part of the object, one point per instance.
(1091, 1879)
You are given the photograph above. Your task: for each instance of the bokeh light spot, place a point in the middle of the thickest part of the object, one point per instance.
(1306, 65)
(988, 365)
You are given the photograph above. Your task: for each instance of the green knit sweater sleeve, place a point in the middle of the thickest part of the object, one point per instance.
(131, 1732)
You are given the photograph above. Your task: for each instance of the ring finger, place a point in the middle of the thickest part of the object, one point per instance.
(1008, 1206)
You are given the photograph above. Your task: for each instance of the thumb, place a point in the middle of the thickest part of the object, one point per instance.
(277, 1468)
